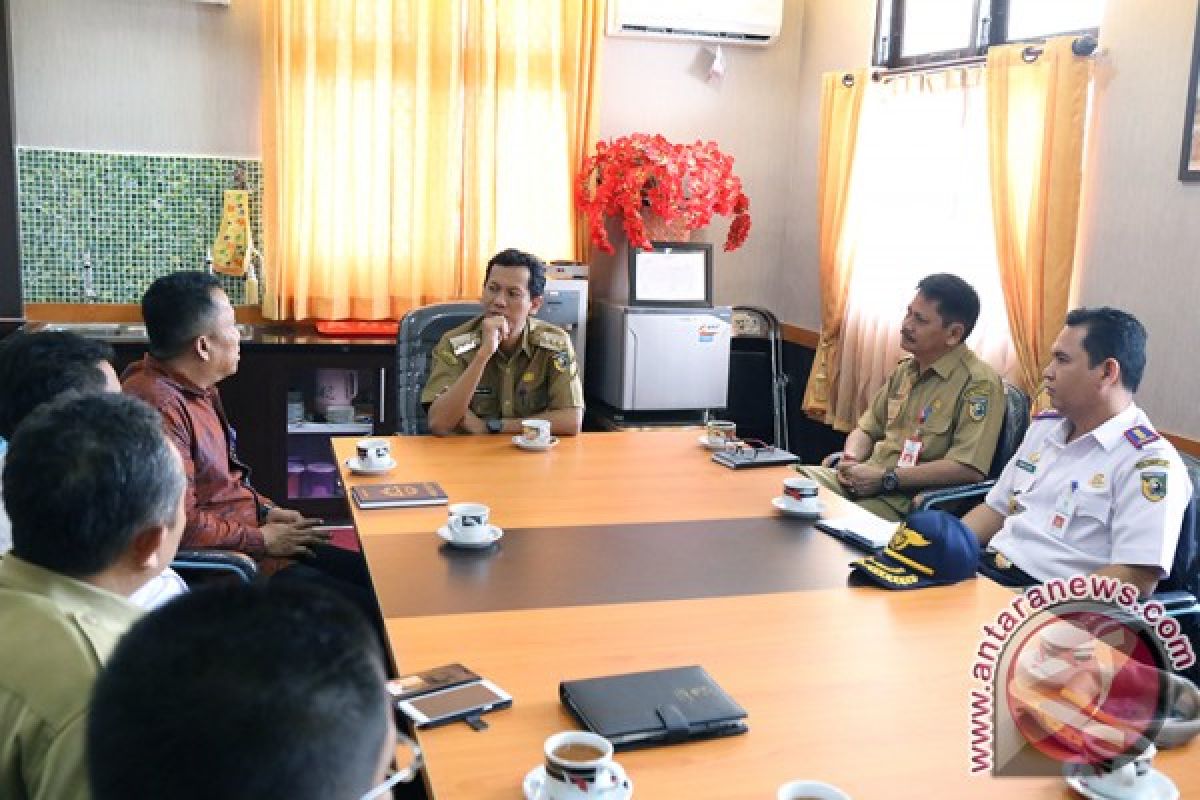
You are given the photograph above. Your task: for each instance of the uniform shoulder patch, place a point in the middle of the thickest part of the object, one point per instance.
(464, 342)
(550, 339)
(1140, 435)
(1049, 414)
(977, 406)
(1154, 486)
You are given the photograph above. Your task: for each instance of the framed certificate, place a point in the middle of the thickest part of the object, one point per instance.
(673, 274)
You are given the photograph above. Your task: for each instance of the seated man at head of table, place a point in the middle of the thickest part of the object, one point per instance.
(1092, 488)
(505, 366)
(244, 692)
(937, 419)
(95, 492)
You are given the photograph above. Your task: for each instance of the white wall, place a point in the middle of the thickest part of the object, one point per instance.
(137, 76)
(764, 114)
(1140, 232)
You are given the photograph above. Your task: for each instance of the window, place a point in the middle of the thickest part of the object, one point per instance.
(915, 32)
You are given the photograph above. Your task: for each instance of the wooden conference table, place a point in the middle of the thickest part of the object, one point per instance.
(633, 551)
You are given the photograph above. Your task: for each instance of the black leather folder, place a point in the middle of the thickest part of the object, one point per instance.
(643, 709)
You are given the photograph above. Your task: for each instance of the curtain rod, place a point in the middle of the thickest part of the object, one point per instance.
(1083, 46)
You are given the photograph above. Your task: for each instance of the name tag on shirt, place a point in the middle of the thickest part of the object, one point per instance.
(1064, 509)
(910, 453)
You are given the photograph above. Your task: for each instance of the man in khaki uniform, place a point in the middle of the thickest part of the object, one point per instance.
(937, 419)
(505, 366)
(95, 494)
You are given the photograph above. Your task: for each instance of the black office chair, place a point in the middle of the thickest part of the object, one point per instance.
(1179, 592)
(196, 566)
(960, 499)
(420, 331)
(757, 383)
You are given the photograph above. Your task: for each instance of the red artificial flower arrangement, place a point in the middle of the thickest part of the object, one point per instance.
(682, 183)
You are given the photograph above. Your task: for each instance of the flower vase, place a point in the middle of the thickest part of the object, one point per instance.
(660, 230)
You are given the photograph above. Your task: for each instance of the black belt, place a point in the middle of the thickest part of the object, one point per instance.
(997, 567)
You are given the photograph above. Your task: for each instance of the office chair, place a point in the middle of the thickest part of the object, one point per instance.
(420, 331)
(757, 383)
(1012, 431)
(199, 565)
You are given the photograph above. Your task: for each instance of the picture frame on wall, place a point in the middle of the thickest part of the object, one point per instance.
(1189, 160)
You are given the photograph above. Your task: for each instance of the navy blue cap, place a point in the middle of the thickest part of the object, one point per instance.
(930, 548)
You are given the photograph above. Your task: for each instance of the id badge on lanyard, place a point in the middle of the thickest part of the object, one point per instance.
(910, 453)
(1064, 509)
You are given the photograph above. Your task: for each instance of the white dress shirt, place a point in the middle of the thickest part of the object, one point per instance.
(1119, 492)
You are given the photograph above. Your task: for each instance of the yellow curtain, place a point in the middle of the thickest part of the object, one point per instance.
(1036, 117)
(531, 71)
(841, 106)
(403, 142)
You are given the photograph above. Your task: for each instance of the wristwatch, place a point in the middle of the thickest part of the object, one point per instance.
(495, 425)
(890, 482)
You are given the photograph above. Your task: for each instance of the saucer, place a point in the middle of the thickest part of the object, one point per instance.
(1152, 786)
(494, 530)
(706, 444)
(534, 447)
(357, 468)
(782, 504)
(534, 787)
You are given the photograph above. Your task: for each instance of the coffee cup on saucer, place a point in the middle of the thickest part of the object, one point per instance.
(801, 494)
(535, 431)
(809, 790)
(578, 765)
(720, 432)
(374, 453)
(468, 522)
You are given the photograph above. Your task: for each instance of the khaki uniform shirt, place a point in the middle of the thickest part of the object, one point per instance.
(541, 375)
(55, 633)
(963, 400)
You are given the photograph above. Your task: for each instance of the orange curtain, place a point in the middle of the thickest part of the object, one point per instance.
(404, 141)
(841, 106)
(1037, 112)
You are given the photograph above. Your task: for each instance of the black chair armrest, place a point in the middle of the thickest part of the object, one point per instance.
(1178, 604)
(209, 562)
(936, 498)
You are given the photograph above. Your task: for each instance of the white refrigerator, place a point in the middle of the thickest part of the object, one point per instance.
(649, 358)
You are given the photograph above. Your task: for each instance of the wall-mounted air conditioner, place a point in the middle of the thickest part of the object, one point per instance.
(724, 21)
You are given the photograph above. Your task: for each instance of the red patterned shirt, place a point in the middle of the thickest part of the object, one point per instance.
(222, 508)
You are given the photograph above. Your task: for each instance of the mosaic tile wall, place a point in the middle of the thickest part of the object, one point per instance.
(139, 216)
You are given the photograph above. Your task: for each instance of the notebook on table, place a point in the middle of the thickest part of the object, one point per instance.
(859, 527)
(665, 706)
(398, 495)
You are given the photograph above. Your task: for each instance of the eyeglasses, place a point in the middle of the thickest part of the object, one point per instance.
(396, 776)
(750, 448)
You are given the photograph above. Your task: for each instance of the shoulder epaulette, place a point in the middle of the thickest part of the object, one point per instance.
(551, 338)
(1140, 435)
(1050, 414)
(464, 342)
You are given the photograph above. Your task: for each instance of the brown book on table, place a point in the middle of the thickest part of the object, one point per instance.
(398, 495)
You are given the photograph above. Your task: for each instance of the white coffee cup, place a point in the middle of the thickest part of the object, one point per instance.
(468, 522)
(579, 765)
(535, 431)
(374, 453)
(816, 790)
(801, 493)
(720, 432)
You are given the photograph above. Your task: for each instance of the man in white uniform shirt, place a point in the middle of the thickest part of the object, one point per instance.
(1093, 487)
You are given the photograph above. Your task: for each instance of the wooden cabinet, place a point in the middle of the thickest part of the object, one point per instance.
(291, 460)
